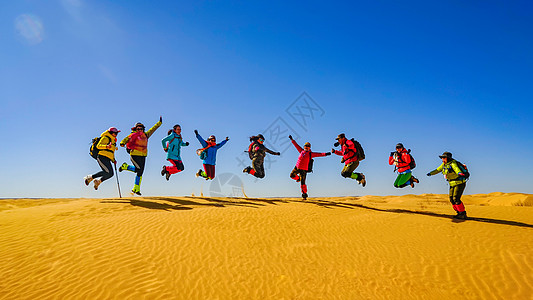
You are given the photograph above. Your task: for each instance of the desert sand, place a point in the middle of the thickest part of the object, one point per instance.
(392, 247)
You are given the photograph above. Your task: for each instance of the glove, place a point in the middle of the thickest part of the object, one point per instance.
(336, 144)
(161, 119)
(278, 153)
(186, 143)
(392, 153)
(332, 150)
(328, 153)
(428, 174)
(122, 145)
(290, 137)
(196, 132)
(227, 138)
(165, 149)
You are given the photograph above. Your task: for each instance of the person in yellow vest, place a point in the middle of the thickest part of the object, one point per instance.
(107, 145)
(456, 177)
(137, 146)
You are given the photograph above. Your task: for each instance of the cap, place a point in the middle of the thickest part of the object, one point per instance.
(307, 144)
(341, 136)
(113, 130)
(446, 154)
(260, 136)
(138, 124)
(399, 145)
(212, 137)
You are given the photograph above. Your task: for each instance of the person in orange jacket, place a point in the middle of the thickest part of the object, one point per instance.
(403, 163)
(299, 173)
(350, 159)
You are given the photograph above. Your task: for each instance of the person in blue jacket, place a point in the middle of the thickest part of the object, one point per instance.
(172, 146)
(209, 155)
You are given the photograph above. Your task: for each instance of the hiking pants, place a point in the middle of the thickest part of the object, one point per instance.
(348, 171)
(209, 171)
(107, 168)
(138, 162)
(259, 168)
(456, 192)
(403, 179)
(177, 166)
(301, 175)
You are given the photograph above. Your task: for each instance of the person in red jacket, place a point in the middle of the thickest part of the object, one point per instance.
(349, 158)
(402, 162)
(299, 173)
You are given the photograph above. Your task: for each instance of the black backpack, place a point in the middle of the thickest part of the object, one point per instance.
(93, 151)
(463, 168)
(310, 166)
(360, 152)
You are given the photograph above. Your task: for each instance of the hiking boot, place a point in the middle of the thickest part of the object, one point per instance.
(304, 196)
(199, 173)
(164, 171)
(123, 167)
(460, 215)
(88, 179)
(414, 179)
(134, 192)
(412, 184)
(363, 180)
(97, 182)
(167, 175)
(247, 170)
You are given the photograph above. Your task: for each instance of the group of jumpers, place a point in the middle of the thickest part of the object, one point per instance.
(104, 147)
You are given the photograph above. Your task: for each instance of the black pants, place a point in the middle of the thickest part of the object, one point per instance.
(259, 168)
(138, 163)
(298, 172)
(107, 168)
(456, 192)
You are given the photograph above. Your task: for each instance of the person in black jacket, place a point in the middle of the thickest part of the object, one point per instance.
(257, 152)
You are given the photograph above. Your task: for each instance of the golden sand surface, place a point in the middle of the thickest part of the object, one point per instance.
(371, 247)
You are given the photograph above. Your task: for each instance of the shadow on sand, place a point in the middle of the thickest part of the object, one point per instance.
(187, 203)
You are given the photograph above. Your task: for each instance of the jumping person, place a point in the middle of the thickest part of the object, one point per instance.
(403, 163)
(257, 151)
(457, 180)
(299, 173)
(172, 145)
(106, 155)
(137, 146)
(350, 158)
(209, 155)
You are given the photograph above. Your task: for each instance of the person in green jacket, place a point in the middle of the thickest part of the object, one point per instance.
(457, 180)
(137, 146)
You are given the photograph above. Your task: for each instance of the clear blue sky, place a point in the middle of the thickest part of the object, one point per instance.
(453, 76)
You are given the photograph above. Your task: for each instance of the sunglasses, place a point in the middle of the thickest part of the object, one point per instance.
(139, 128)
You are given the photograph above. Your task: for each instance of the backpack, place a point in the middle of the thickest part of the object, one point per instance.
(412, 164)
(360, 152)
(202, 153)
(310, 166)
(251, 151)
(93, 151)
(463, 168)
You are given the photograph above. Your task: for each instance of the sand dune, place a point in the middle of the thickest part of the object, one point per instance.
(370, 247)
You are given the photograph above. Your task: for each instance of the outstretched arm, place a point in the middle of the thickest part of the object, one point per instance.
(437, 170)
(200, 139)
(154, 128)
(319, 154)
(297, 146)
(270, 151)
(221, 144)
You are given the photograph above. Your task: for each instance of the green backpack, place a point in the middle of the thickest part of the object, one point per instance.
(464, 169)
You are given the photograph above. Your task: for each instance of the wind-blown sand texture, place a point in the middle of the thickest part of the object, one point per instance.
(369, 247)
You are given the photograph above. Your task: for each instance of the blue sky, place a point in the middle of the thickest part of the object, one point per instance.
(452, 76)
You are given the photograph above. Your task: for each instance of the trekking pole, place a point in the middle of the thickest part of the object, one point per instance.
(118, 184)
